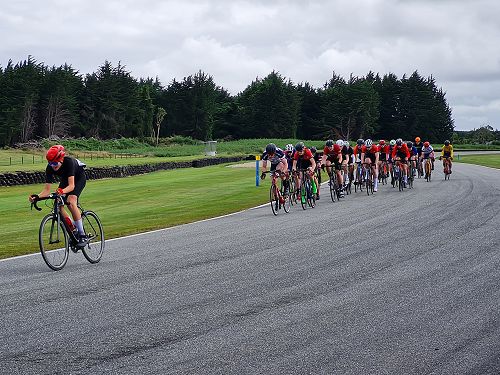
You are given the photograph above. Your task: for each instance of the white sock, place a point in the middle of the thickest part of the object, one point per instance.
(79, 225)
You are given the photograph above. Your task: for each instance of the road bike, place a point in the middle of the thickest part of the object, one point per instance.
(420, 168)
(383, 173)
(56, 237)
(358, 180)
(447, 168)
(428, 169)
(307, 189)
(368, 177)
(279, 197)
(398, 175)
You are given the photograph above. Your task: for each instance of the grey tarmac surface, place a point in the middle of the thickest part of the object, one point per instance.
(395, 283)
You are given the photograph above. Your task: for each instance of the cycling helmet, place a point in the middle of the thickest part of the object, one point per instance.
(399, 141)
(289, 147)
(346, 143)
(392, 142)
(271, 148)
(409, 144)
(426, 144)
(299, 146)
(417, 139)
(360, 142)
(381, 142)
(368, 143)
(55, 154)
(340, 142)
(447, 143)
(313, 149)
(329, 143)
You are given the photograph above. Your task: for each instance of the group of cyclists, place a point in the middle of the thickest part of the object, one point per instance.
(341, 158)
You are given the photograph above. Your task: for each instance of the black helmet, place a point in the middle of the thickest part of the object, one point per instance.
(329, 143)
(447, 143)
(360, 142)
(299, 146)
(313, 149)
(409, 144)
(271, 148)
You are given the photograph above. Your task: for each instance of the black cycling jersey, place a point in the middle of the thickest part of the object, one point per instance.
(70, 167)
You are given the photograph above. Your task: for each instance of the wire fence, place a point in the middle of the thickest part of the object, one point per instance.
(27, 159)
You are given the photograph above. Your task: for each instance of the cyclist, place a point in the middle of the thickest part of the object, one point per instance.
(401, 154)
(413, 156)
(332, 153)
(317, 159)
(392, 143)
(419, 145)
(72, 178)
(278, 162)
(304, 159)
(289, 151)
(383, 154)
(348, 161)
(447, 153)
(357, 154)
(427, 153)
(370, 155)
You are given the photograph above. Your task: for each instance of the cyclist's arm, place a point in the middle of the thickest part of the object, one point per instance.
(45, 192)
(313, 164)
(264, 165)
(71, 185)
(294, 165)
(377, 157)
(451, 151)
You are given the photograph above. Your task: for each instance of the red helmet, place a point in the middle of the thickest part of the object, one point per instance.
(381, 142)
(55, 153)
(426, 144)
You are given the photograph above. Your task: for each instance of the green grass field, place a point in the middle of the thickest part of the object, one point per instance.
(137, 204)
(492, 160)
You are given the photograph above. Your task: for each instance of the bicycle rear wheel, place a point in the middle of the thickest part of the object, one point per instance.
(53, 241)
(333, 188)
(95, 234)
(285, 198)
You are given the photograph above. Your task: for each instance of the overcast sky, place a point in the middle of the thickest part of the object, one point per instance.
(456, 41)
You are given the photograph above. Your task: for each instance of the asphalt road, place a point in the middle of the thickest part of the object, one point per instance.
(395, 283)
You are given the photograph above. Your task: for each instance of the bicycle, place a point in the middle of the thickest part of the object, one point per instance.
(278, 197)
(447, 170)
(398, 175)
(56, 238)
(420, 168)
(307, 194)
(413, 171)
(358, 182)
(383, 173)
(428, 169)
(368, 177)
(333, 186)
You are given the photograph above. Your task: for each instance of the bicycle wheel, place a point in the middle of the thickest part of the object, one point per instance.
(53, 241)
(303, 193)
(333, 186)
(401, 181)
(311, 197)
(95, 234)
(286, 199)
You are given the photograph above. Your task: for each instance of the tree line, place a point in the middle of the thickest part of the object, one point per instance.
(40, 101)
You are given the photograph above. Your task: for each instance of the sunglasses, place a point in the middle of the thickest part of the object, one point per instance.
(53, 163)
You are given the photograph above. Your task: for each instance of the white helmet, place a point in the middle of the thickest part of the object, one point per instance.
(340, 142)
(392, 142)
(346, 143)
(289, 147)
(368, 143)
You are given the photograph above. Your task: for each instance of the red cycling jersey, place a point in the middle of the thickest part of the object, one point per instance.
(335, 151)
(372, 150)
(306, 156)
(385, 149)
(402, 150)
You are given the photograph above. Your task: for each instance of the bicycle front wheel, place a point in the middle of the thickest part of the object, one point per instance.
(53, 241)
(95, 234)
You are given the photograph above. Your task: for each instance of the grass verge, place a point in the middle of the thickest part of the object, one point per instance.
(137, 204)
(491, 160)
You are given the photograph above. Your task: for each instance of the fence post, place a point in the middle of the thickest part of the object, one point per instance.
(33, 159)
(22, 159)
(257, 158)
